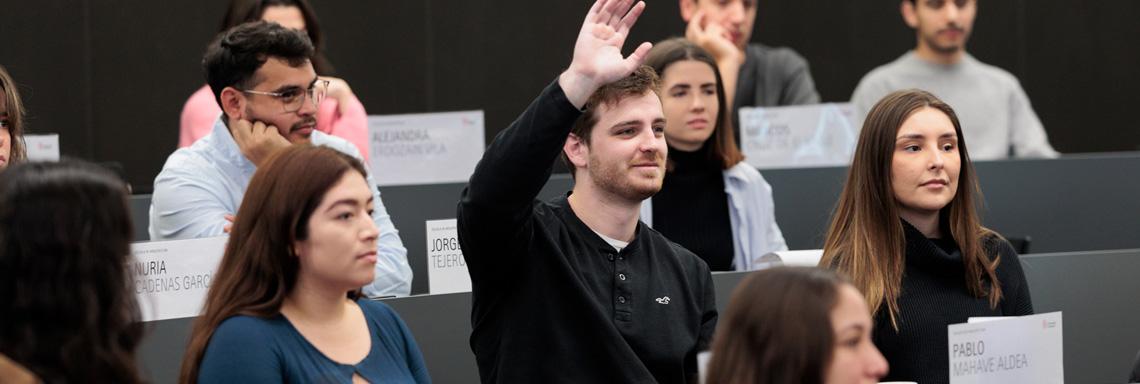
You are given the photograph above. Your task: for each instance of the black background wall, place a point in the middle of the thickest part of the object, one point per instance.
(111, 76)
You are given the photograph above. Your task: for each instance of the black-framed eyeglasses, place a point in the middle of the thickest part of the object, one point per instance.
(292, 100)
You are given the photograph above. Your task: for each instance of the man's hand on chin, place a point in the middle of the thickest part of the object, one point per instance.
(256, 140)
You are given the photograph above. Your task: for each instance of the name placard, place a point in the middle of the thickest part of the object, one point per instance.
(447, 270)
(42, 147)
(820, 135)
(1025, 349)
(171, 278)
(428, 148)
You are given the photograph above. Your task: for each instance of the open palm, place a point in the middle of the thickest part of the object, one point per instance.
(597, 53)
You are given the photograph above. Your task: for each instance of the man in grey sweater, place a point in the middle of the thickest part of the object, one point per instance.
(997, 119)
(754, 75)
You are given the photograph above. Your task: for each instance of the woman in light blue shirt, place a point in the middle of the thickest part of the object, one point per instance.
(284, 303)
(711, 202)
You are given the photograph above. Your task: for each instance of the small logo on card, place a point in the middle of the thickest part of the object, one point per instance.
(663, 300)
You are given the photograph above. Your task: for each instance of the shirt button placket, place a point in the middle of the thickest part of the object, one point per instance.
(624, 293)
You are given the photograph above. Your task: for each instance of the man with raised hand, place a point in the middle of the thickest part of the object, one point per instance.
(577, 289)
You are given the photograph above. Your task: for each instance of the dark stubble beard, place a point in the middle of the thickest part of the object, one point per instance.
(611, 179)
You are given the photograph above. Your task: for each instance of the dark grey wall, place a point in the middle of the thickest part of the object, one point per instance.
(111, 76)
(1101, 336)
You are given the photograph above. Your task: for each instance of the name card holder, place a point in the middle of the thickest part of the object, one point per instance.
(1025, 349)
(427, 148)
(171, 278)
(447, 270)
(821, 135)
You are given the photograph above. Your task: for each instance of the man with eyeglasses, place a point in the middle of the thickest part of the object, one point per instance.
(997, 118)
(262, 77)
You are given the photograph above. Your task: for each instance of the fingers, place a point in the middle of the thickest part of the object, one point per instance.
(229, 223)
(599, 12)
(261, 130)
(696, 29)
(241, 130)
(715, 30)
(619, 11)
(594, 9)
(610, 12)
(638, 56)
(630, 18)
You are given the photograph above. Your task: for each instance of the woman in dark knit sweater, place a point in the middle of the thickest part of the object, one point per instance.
(711, 202)
(907, 231)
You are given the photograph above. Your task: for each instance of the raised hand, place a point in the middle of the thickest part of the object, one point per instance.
(597, 53)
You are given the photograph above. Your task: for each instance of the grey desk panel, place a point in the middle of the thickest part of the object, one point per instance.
(160, 354)
(1098, 291)
(140, 215)
(410, 206)
(1075, 203)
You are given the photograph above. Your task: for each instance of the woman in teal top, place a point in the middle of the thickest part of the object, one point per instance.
(249, 349)
(283, 305)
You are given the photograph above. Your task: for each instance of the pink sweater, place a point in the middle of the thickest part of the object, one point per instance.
(201, 111)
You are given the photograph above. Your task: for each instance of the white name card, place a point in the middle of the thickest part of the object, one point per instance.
(429, 148)
(172, 277)
(1025, 349)
(447, 270)
(798, 136)
(42, 147)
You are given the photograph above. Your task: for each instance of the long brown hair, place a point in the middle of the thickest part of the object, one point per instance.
(15, 117)
(259, 268)
(777, 328)
(866, 239)
(667, 52)
(67, 303)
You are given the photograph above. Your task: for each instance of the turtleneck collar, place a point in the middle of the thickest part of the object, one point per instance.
(699, 160)
(935, 254)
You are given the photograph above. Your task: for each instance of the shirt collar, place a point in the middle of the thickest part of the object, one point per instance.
(226, 146)
(588, 234)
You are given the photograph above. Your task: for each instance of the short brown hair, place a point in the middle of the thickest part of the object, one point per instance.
(642, 80)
